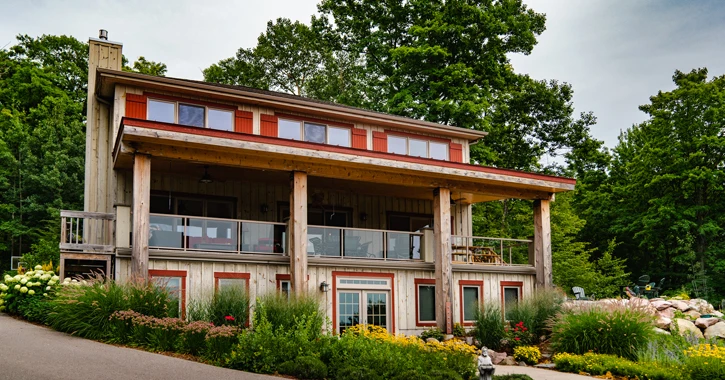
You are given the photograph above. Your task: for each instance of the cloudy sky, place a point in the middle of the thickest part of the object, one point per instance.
(615, 53)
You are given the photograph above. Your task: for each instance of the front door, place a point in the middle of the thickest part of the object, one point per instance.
(362, 306)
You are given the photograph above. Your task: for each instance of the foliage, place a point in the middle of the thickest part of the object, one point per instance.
(519, 335)
(220, 341)
(433, 332)
(616, 329)
(527, 354)
(706, 362)
(536, 311)
(666, 349)
(18, 292)
(512, 377)
(193, 338)
(228, 306)
(144, 66)
(85, 309)
(304, 367)
(489, 327)
(459, 330)
(35, 309)
(281, 311)
(598, 364)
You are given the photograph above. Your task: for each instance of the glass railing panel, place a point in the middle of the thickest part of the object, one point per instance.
(166, 232)
(324, 241)
(363, 243)
(400, 246)
(263, 237)
(212, 234)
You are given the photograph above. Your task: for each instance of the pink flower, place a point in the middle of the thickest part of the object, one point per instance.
(517, 338)
(229, 318)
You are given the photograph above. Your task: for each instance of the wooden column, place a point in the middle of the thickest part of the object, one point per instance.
(542, 243)
(298, 231)
(141, 200)
(442, 247)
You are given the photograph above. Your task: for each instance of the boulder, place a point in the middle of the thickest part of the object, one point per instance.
(496, 357)
(432, 340)
(685, 327)
(661, 305)
(717, 314)
(644, 304)
(716, 331)
(704, 323)
(693, 314)
(663, 323)
(681, 305)
(656, 299)
(522, 364)
(509, 360)
(667, 313)
(702, 306)
(660, 331)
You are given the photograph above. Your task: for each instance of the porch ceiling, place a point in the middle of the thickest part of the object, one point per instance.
(382, 173)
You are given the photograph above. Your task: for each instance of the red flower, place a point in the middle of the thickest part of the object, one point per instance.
(229, 318)
(517, 338)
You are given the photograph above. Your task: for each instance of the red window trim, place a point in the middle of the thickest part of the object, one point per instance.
(422, 281)
(469, 283)
(510, 284)
(173, 273)
(417, 136)
(232, 275)
(313, 120)
(283, 277)
(391, 276)
(153, 95)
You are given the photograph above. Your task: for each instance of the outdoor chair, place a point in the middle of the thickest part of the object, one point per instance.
(659, 287)
(643, 281)
(650, 290)
(579, 294)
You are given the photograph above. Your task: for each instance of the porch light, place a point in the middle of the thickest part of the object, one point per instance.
(263, 208)
(206, 178)
(324, 287)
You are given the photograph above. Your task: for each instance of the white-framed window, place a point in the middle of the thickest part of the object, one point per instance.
(313, 132)
(425, 292)
(285, 287)
(363, 300)
(190, 114)
(417, 147)
(14, 262)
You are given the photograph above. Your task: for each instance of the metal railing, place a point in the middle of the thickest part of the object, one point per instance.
(214, 234)
(489, 250)
(86, 231)
(363, 243)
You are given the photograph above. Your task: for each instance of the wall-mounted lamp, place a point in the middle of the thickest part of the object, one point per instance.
(363, 216)
(324, 287)
(263, 208)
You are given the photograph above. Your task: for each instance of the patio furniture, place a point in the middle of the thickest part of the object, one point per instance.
(579, 294)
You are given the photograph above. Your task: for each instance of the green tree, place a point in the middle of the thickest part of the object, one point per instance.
(144, 66)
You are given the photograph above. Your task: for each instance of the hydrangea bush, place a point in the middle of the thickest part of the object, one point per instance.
(14, 290)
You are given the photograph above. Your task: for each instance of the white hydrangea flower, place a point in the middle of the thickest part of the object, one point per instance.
(3, 287)
(37, 275)
(31, 292)
(23, 290)
(2, 301)
(38, 267)
(24, 281)
(47, 288)
(55, 278)
(17, 287)
(8, 278)
(45, 294)
(18, 277)
(51, 282)
(45, 277)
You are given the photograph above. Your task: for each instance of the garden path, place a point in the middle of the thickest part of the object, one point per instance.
(31, 352)
(538, 373)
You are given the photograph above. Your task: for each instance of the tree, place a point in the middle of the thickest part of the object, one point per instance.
(144, 66)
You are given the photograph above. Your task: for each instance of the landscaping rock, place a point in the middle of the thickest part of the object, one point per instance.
(702, 306)
(692, 313)
(496, 357)
(681, 305)
(448, 337)
(667, 313)
(704, 323)
(522, 364)
(546, 365)
(432, 340)
(661, 305)
(716, 331)
(509, 360)
(660, 331)
(663, 323)
(656, 299)
(685, 327)
(717, 314)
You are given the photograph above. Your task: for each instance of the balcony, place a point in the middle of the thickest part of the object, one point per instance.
(480, 250)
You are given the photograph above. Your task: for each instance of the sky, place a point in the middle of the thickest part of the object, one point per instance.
(614, 53)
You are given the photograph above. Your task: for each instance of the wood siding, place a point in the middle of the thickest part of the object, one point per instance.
(359, 138)
(136, 106)
(244, 122)
(269, 125)
(380, 142)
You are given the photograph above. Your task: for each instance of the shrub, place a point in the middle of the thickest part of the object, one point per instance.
(281, 311)
(513, 377)
(35, 309)
(219, 342)
(519, 335)
(615, 328)
(598, 364)
(35, 284)
(193, 337)
(489, 327)
(537, 311)
(527, 354)
(434, 332)
(459, 330)
(666, 349)
(228, 306)
(165, 333)
(357, 372)
(304, 367)
(705, 362)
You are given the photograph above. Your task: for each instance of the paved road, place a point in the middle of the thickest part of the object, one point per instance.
(32, 352)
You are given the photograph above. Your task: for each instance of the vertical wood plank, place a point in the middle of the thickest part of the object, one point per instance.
(542, 243)
(442, 246)
(141, 200)
(298, 231)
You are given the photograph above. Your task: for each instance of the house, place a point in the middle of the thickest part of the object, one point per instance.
(205, 185)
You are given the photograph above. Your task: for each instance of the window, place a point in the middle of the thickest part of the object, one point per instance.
(190, 114)
(470, 293)
(175, 282)
(284, 284)
(14, 262)
(313, 132)
(369, 302)
(231, 279)
(417, 147)
(510, 295)
(425, 293)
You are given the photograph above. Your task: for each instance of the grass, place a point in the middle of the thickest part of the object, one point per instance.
(230, 301)
(489, 327)
(282, 312)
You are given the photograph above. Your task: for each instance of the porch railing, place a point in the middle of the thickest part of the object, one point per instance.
(86, 231)
(489, 250)
(213, 234)
(364, 243)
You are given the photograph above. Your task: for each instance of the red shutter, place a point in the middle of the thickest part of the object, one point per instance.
(380, 142)
(136, 106)
(456, 152)
(243, 122)
(359, 138)
(268, 125)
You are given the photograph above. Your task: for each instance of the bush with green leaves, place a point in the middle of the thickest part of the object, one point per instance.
(537, 311)
(281, 311)
(667, 349)
(433, 332)
(599, 364)
(513, 377)
(228, 306)
(304, 367)
(614, 328)
(17, 291)
(489, 327)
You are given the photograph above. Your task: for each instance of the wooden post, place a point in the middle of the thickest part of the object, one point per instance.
(442, 247)
(298, 232)
(141, 200)
(542, 243)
